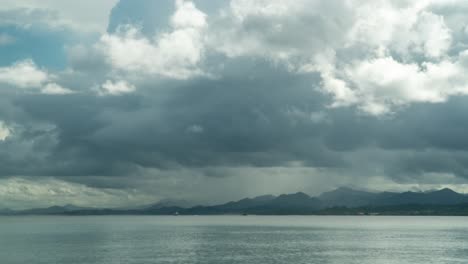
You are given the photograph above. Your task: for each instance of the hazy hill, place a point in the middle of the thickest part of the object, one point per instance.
(171, 203)
(441, 197)
(349, 197)
(339, 201)
(51, 210)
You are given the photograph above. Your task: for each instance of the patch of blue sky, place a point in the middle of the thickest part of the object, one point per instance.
(45, 46)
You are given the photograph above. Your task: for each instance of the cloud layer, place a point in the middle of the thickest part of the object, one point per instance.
(207, 99)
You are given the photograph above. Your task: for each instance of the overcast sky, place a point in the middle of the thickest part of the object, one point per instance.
(120, 103)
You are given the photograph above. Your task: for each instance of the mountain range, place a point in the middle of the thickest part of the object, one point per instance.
(340, 201)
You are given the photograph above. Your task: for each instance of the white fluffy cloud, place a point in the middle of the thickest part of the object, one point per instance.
(4, 131)
(379, 84)
(366, 54)
(175, 54)
(26, 74)
(116, 88)
(379, 26)
(23, 74)
(288, 31)
(344, 41)
(53, 88)
(404, 60)
(377, 55)
(305, 28)
(83, 15)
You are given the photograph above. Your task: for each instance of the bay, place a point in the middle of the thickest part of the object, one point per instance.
(233, 239)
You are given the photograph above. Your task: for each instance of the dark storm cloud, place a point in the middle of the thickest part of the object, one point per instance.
(258, 115)
(263, 120)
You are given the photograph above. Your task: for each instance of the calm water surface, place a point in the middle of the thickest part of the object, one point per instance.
(233, 239)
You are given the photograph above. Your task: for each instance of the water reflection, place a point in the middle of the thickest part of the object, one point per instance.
(233, 239)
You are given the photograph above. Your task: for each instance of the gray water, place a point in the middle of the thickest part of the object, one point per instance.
(233, 239)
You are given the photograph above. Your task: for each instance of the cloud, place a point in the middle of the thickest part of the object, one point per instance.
(378, 25)
(379, 85)
(116, 88)
(85, 16)
(6, 39)
(23, 74)
(4, 131)
(288, 32)
(24, 193)
(174, 54)
(196, 129)
(369, 35)
(227, 94)
(53, 88)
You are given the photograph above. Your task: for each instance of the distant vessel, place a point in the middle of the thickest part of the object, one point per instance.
(176, 213)
(244, 214)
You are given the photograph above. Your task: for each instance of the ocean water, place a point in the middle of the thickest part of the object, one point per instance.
(233, 239)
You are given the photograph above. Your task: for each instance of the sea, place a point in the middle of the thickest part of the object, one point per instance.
(233, 239)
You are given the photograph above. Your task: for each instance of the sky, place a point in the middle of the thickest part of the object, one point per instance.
(119, 103)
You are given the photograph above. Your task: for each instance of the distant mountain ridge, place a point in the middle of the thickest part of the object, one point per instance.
(348, 197)
(49, 210)
(283, 204)
(171, 203)
(340, 201)
(352, 198)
